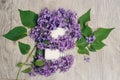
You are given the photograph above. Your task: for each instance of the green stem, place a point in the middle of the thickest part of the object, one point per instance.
(28, 64)
(25, 62)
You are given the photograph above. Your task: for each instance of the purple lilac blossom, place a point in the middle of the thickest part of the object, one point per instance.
(65, 63)
(51, 20)
(87, 59)
(65, 42)
(51, 66)
(90, 39)
(32, 73)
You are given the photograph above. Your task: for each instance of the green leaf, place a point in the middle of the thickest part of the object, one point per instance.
(24, 48)
(84, 18)
(27, 70)
(81, 43)
(97, 45)
(39, 63)
(28, 18)
(102, 33)
(87, 31)
(20, 64)
(83, 51)
(90, 48)
(46, 41)
(39, 51)
(16, 33)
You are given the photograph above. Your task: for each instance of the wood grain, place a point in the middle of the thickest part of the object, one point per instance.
(104, 64)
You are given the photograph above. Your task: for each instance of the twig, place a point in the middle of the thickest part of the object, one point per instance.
(25, 62)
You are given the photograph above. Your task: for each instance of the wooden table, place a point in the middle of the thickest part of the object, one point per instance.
(104, 64)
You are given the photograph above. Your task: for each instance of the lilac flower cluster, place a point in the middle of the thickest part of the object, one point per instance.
(51, 20)
(90, 39)
(51, 66)
(86, 59)
(65, 42)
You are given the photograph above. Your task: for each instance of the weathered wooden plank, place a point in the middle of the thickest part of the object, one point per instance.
(5, 25)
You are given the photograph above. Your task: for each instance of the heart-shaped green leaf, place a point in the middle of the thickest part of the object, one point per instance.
(28, 18)
(87, 31)
(27, 70)
(39, 51)
(20, 64)
(39, 63)
(24, 48)
(102, 33)
(81, 43)
(97, 45)
(16, 33)
(82, 50)
(84, 18)
(90, 48)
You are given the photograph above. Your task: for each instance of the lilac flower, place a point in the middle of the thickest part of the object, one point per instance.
(41, 34)
(65, 63)
(90, 39)
(87, 59)
(32, 73)
(51, 66)
(48, 69)
(65, 42)
(51, 20)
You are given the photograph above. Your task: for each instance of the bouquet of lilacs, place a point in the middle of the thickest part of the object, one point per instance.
(54, 32)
